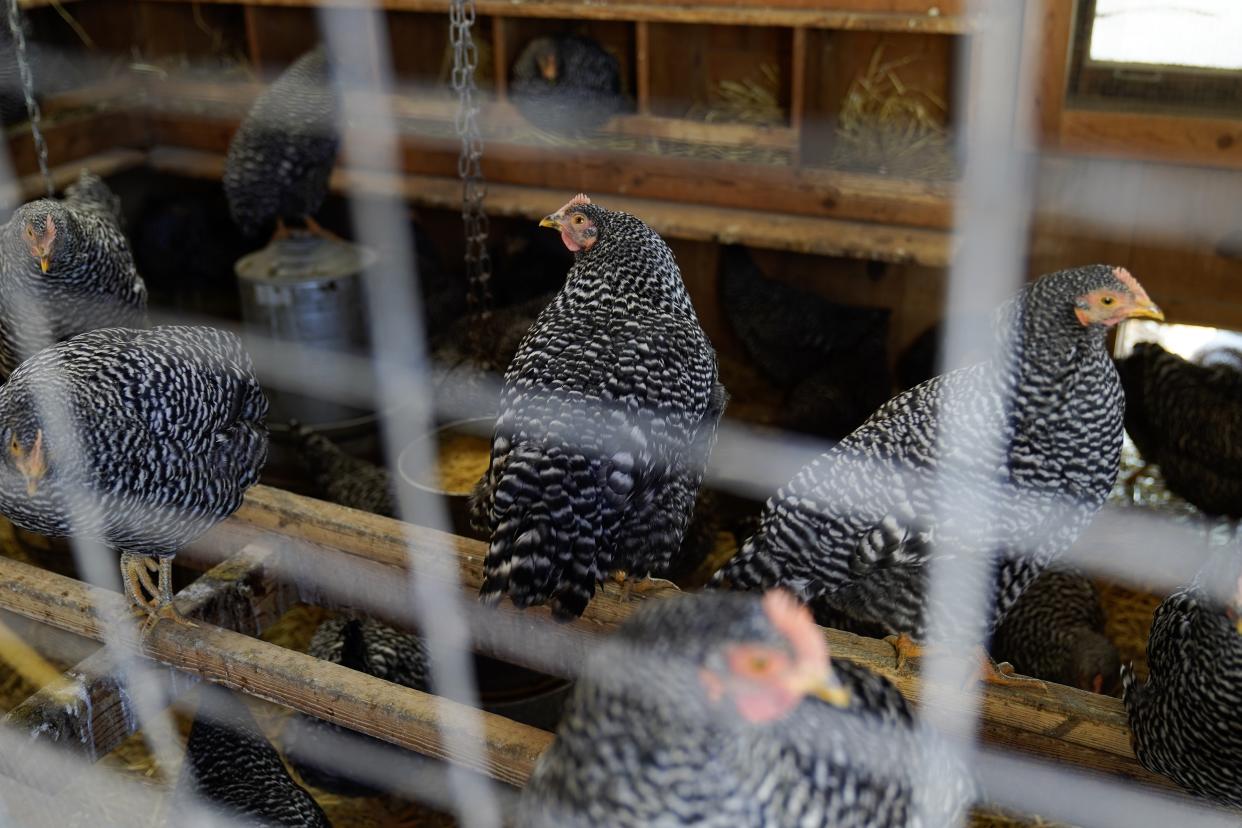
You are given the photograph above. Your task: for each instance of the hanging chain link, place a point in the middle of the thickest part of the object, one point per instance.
(32, 106)
(469, 168)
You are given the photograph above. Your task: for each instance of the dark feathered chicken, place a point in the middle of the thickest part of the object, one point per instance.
(1184, 719)
(342, 478)
(65, 268)
(1055, 631)
(232, 770)
(723, 710)
(830, 358)
(1187, 419)
(566, 84)
(141, 439)
(607, 416)
(858, 527)
(369, 647)
(282, 154)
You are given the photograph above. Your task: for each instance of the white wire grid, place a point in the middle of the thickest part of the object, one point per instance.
(994, 204)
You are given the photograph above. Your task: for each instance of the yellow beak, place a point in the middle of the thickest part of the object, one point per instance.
(552, 221)
(1237, 625)
(826, 687)
(1147, 311)
(44, 264)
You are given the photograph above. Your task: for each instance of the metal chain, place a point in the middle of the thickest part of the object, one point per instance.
(474, 219)
(32, 106)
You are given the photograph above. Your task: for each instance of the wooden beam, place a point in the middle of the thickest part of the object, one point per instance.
(1050, 63)
(239, 593)
(500, 58)
(337, 694)
(778, 13)
(803, 234)
(1215, 142)
(1058, 723)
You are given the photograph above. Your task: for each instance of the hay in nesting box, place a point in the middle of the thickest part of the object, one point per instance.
(988, 817)
(891, 127)
(753, 100)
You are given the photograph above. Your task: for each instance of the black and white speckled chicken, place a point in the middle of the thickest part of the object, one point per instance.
(340, 477)
(607, 416)
(1055, 631)
(724, 710)
(831, 359)
(1184, 718)
(566, 84)
(232, 771)
(1187, 419)
(65, 268)
(858, 527)
(282, 154)
(143, 439)
(369, 647)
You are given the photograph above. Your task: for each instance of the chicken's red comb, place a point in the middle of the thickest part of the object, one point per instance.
(796, 623)
(1129, 281)
(577, 201)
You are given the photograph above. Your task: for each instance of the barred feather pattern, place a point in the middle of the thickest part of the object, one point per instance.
(1055, 631)
(170, 426)
(1187, 419)
(342, 478)
(369, 647)
(1184, 718)
(234, 771)
(607, 416)
(857, 527)
(281, 157)
(91, 280)
(641, 744)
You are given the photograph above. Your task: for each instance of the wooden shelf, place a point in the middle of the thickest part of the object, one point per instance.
(789, 13)
(825, 237)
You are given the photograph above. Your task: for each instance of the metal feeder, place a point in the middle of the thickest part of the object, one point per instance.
(306, 291)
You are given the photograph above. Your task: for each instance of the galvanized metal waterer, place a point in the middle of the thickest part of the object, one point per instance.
(305, 290)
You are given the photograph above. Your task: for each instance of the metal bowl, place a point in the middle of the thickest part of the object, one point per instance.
(456, 503)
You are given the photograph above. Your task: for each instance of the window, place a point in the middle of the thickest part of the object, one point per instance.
(1168, 54)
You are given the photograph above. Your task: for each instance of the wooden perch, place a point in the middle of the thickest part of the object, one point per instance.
(1059, 723)
(239, 593)
(360, 702)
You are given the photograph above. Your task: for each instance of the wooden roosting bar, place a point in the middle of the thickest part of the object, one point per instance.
(282, 547)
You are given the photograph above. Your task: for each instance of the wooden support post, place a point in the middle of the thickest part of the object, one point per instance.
(239, 593)
(360, 702)
(500, 58)
(797, 88)
(642, 65)
(253, 48)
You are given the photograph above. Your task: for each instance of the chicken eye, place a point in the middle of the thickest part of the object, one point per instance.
(29, 232)
(759, 664)
(579, 219)
(1107, 300)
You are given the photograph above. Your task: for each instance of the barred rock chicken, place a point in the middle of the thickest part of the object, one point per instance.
(65, 268)
(342, 478)
(1187, 419)
(1055, 631)
(369, 647)
(141, 439)
(607, 416)
(232, 770)
(830, 359)
(724, 710)
(566, 84)
(281, 156)
(858, 526)
(1184, 719)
